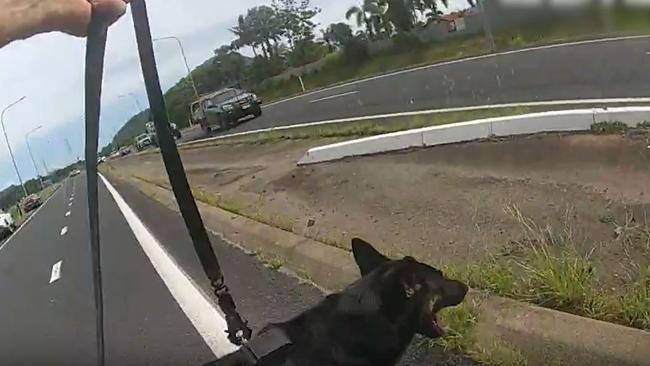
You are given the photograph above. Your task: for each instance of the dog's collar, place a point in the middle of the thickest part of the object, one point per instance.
(266, 342)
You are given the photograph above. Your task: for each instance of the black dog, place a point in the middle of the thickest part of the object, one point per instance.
(371, 322)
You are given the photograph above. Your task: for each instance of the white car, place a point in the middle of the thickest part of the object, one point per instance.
(7, 225)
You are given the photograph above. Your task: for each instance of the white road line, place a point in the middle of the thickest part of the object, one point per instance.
(64, 230)
(71, 198)
(28, 220)
(70, 204)
(431, 111)
(334, 96)
(200, 310)
(56, 271)
(468, 59)
(67, 214)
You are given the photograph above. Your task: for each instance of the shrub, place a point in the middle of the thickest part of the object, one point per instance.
(608, 127)
(404, 42)
(356, 50)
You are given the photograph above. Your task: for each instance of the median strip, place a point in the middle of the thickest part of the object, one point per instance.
(372, 125)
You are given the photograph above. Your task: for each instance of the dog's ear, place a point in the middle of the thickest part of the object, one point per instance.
(367, 257)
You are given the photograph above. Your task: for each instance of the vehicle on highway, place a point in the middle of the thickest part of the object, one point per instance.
(31, 202)
(75, 172)
(150, 130)
(144, 141)
(223, 109)
(125, 150)
(7, 225)
(101, 159)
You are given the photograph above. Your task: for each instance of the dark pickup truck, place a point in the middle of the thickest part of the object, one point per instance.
(223, 109)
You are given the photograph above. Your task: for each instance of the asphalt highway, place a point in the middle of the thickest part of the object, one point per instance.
(47, 311)
(589, 70)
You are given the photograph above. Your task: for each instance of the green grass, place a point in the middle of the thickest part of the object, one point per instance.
(48, 192)
(243, 209)
(272, 262)
(633, 307)
(548, 270)
(460, 328)
(18, 217)
(459, 323)
(610, 127)
(338, 69)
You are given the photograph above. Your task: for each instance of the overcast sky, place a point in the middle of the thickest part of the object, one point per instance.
(48, 69)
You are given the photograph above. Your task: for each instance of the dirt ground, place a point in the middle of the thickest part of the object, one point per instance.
(443, 205)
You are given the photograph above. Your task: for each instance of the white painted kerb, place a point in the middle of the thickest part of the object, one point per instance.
(555, 121)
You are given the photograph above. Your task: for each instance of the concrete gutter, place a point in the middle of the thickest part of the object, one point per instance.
(543, 336)
(554, 121)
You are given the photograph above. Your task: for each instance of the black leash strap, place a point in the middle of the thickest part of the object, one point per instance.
(95, 50)
(238, 330)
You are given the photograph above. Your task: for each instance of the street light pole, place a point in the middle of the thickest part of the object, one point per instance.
(31, 155)
(187, 66)
(11, 153)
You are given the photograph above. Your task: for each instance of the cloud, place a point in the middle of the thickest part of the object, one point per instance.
(49, 70)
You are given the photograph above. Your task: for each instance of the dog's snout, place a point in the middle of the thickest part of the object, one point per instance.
(455, 292)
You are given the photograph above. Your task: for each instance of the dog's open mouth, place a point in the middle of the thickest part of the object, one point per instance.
(436, 328)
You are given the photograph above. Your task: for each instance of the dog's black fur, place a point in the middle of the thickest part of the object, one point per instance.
(372, 321)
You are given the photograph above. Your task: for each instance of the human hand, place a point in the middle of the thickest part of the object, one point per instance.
(73, 16)
(21, 19)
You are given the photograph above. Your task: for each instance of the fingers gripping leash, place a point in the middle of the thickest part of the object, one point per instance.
(238, 330)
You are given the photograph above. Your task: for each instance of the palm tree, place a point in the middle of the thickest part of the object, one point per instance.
(374, 15)
(361, 18)
(245, 35)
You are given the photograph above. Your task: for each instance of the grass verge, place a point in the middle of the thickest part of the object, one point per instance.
(460, 327)
(233, 206)
(548, 270)
(46, 193)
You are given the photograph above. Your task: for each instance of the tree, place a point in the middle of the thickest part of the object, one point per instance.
(261, 27)
(338, 34)
(245, 35)
(374, 15)
(296, 19)
(229, 64)
(429, 8)
(267, 26)
(402, 14)
(362, 17)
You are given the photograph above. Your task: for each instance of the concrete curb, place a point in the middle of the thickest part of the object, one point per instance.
(542, 335)
(555, 121)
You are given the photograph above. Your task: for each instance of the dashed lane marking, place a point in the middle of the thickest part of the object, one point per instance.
(56, 271)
